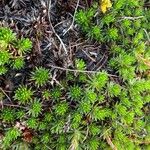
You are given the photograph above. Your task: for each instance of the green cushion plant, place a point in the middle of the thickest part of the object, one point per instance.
(103, 110)
(23, 94)
(13, 50)
(40, 76)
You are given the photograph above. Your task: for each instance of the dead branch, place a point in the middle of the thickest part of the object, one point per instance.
(75, 70)
(71, 26)
(110, 143)
(49, 17)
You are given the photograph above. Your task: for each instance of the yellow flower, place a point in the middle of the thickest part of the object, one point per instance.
(105, 4)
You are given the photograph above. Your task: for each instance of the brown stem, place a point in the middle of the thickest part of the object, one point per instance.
(110, 143)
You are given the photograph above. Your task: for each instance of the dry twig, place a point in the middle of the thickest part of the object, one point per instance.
(71, 26)
(129, 18)
(75, 70)
(5, 94)
(49, 17)
(108, 139)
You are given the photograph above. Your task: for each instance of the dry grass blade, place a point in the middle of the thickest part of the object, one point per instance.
(110, 143)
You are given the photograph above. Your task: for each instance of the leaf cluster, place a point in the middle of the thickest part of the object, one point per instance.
(12, 50)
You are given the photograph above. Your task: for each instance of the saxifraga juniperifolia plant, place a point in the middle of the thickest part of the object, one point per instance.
(13, 51)
(96, 111)
(40, 76)
(123, 27)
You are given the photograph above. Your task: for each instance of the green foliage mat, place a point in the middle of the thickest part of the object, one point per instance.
(101, 110)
